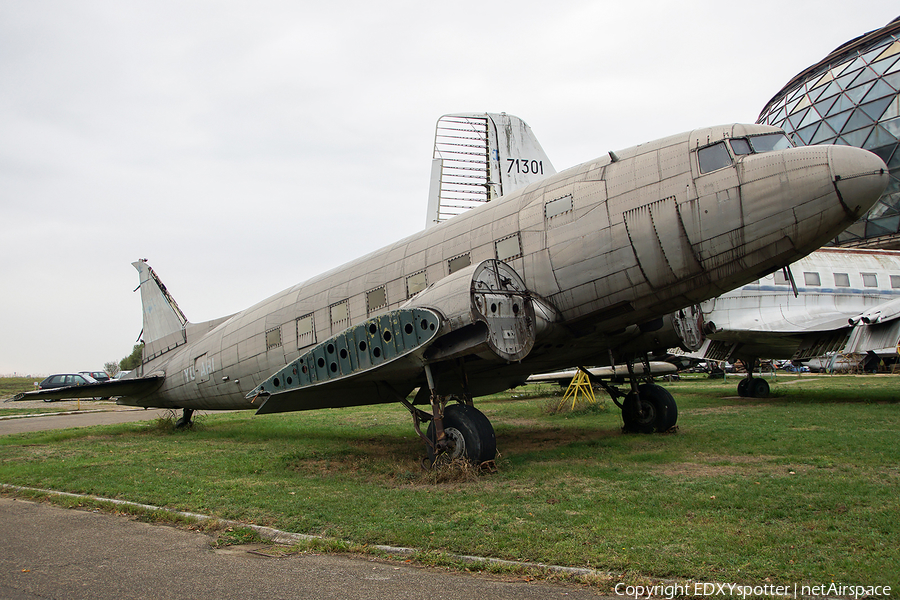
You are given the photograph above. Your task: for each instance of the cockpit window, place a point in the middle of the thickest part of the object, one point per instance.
(770, 142)
(713, 158)
(741, 146)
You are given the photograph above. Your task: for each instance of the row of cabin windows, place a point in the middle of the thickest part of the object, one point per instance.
(506, 248)
(841, 280)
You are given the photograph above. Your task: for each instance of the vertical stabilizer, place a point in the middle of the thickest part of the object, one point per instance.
(162, 317)
(479, 157)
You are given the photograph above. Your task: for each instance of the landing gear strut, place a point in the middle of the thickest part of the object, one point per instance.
(750, 386)
(647, 408)
(185, 420)
(454, 431)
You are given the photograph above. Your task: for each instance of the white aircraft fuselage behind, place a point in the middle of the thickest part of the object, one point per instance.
(764, 319)
(602, 248)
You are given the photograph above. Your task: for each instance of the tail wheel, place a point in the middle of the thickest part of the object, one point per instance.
(470, 433)
(652, 409)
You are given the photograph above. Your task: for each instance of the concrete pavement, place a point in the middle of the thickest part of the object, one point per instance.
(52, 552)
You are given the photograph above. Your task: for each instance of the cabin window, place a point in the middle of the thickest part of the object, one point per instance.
(273, 338)
(376, 299)
(870, 279)
(740, 146)
(340, 315)
(306, 333)
(557, 207)
(841, 280)
(895, 281)
(812, 279)
(781, 278)
(460, 262)
(715, 157)
(770, 142)
(508, 248)
(415, 283)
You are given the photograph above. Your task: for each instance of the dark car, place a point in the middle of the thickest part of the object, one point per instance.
(98, 375)
(65, 379)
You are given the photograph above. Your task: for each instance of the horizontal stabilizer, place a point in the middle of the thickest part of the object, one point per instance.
(103, 389)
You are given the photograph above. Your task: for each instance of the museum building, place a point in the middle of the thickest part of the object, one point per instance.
(852, 97)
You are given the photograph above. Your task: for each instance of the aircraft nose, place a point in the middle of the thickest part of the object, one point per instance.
(860, 177)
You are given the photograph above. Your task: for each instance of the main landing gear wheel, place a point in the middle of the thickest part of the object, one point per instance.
(469, 432)
(753, 387)
(652, 409)
(758, 388)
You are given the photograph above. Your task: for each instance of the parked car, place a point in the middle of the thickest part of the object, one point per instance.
(121, 374)
(98, 375)
(65, 379)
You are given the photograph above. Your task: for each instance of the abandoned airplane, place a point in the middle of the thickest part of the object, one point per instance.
(579, 264)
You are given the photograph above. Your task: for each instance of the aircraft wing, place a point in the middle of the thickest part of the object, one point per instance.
(104, 389)
(564, 377)
(482, 310)
(354, 366)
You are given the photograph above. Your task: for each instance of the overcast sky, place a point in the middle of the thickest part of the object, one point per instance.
(244, 147)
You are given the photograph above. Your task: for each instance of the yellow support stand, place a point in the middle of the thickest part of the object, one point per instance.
(579, 388)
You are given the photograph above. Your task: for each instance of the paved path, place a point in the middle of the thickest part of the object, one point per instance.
(89, 414)
(52, 552)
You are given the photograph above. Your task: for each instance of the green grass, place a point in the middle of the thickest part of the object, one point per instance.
(801, 487)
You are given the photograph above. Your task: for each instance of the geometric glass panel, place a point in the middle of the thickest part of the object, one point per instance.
(893, 110)
(879, 138)
(876, 109)
(856, 138)
(890, 51)
(811, 117)
(881, 67)
(881, 89)
(842, 104)
(857, 120)
(866, 76)
(824, 106)
(889, 224)
(892, 80)
(807, 133)
(875, 230)
(845, 80)
(892, 126)
(825, 133)
(838, 121)
(857, 93)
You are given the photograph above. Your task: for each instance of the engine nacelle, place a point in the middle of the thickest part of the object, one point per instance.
(486, 309)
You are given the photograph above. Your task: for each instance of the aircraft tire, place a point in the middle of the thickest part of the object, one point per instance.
(743, 384)
(471, 431)
(759, 388)
(653, 410)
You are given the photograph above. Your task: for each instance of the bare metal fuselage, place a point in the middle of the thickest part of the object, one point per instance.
(610, 244)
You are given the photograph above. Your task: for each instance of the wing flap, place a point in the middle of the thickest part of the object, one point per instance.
(386, 347)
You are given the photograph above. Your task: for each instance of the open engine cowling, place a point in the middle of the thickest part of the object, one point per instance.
(486, 309)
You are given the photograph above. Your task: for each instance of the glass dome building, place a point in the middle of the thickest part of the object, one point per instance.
(852, 97)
